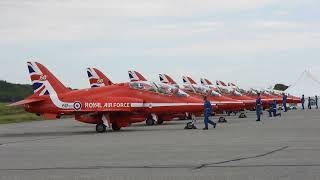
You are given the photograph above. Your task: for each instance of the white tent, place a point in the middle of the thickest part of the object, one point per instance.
(306, 84)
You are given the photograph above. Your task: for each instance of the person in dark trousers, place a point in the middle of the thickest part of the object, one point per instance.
(207, 113)
(258, 107)
(273, 109)
(309, 103)
(284, 102)
(302, 101)
(317, 102)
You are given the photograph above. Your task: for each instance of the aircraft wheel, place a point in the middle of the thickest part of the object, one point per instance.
(149, 122)
(115, 127)
(190, 125)
(160, 121)
(242, 115)
(100, 128)
(222, 120)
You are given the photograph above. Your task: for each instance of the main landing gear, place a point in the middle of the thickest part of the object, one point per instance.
(150, 121)
(100, 128)
(222, 120)
(153, 119)
(191, 124)
(242, 115)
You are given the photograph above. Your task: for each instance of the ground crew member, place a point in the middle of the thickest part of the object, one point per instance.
(317, 102)
(207, 113)
(258, 106)
(302, 101)
(309, 103)
(284, 102)
(273, 109)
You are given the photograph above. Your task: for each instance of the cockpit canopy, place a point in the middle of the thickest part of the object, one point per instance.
(143, 85)
(224, 90)
(158, 87)
(237, 93)
(267, 93)
(203, 90)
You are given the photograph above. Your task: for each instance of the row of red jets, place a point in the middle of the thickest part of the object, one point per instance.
(117, 105)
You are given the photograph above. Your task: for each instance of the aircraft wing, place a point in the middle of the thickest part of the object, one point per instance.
(25, 101)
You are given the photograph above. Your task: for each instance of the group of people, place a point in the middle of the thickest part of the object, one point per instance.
(309, 102)
(272, 111)
(273, 107)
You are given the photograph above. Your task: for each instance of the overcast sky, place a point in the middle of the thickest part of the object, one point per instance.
(250, 42)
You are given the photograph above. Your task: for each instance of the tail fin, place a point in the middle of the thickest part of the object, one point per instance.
(232, 85)
(205, 82)
(188, 80)
(43, 81)
(221, 83)
(164, 78)
(136, 76)
(97, 78)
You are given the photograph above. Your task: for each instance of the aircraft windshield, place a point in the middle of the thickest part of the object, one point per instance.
(146, 86)
(222, 90)
(158, 87)
(267, 93)
(170, 90)
(236, 93)
(201, 90)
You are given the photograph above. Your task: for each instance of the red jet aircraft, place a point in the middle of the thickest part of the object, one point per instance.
(135, 76)
(113, 106)
(192, 88)
(249, 103)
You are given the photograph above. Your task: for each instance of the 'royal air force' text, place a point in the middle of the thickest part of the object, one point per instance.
(107, 105)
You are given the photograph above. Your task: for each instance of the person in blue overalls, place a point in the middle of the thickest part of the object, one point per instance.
(207, 113)
(302, 101)
(317, 102)
(273, 109)
(309, 103)
(284, 102)
(258, 107)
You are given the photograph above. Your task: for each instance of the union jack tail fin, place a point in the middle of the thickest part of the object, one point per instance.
(188, 80)
(136, 76)
(43, 81)
(164, 78)
(205, 82)
(221, 83)
(232, 85)
(97, 78)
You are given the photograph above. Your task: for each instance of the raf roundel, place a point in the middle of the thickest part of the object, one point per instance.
(77, 105)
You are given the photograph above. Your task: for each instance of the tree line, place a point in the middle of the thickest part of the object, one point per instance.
(10, 92)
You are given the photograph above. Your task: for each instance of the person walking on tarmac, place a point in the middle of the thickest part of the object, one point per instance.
(273, 109)
(207, 113)
(309, 103)
(317, 102)
(302, 101)
(284, 102)
(258, 106)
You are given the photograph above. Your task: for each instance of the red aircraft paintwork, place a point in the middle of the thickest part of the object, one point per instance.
(249, 103)
(220, 102)
(278, 99)
(135, 76)
(265, 99)
(113, 106)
